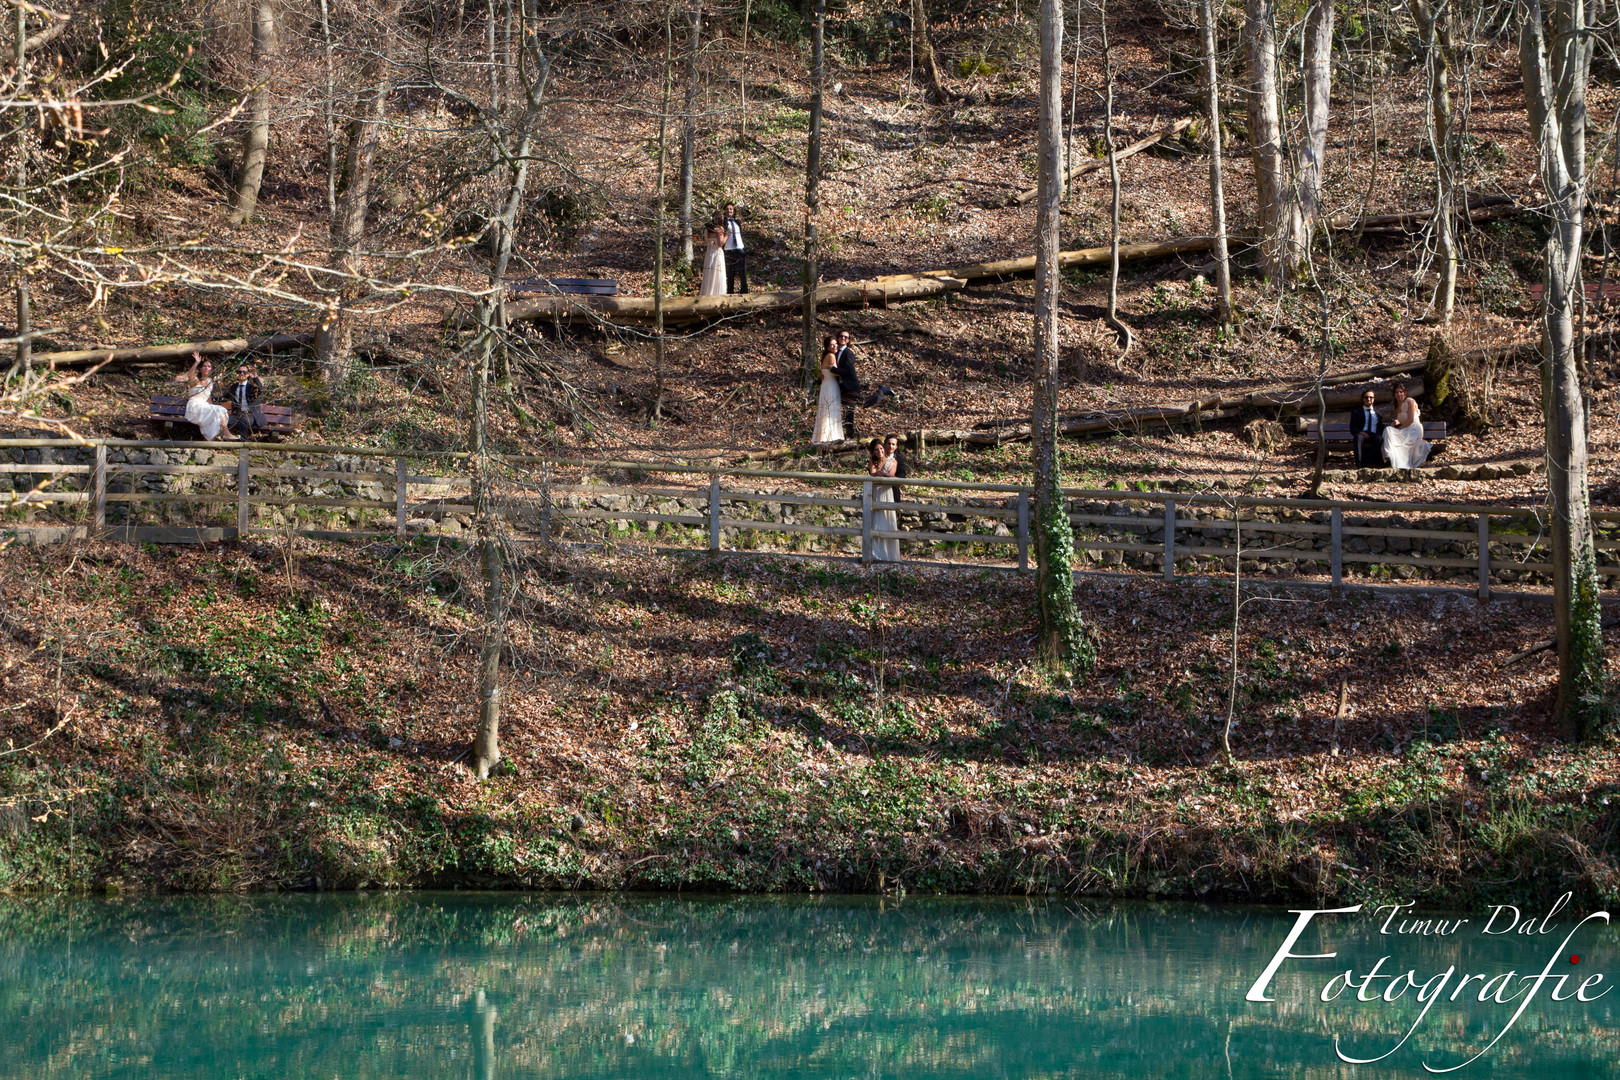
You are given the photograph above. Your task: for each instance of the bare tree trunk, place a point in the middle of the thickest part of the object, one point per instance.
(494, 58)
(256, 143)
(22, 366)
(1061, 642)
(1318, 50)
(742, 72)
(19, 87)
(1074, 105)
(1281, 243)
(1555, 55)
(660, 348)
(1439, 47)
(334, 337)
(924, 46)
(1217, 196)
(689, 131)
(812, 201)
(331, 108)
(1111, 316)
(486, 750)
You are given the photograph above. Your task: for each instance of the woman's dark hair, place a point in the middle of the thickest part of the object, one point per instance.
(1399, 384)
(874, 445)
(830, 343)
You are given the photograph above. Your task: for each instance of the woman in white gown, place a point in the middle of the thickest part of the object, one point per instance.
(881, 465)
(714, 264)
(1403, 439)
(829, 427)
(209, 418)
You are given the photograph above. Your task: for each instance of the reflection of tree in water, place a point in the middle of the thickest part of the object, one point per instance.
(588, 986)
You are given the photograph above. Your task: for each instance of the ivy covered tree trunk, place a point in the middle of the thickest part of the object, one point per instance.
(1282, 238)
(1555, 55)
(1062, 644)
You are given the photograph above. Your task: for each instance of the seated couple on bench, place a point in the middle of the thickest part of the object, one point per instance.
(1399, 443)
(243, 418)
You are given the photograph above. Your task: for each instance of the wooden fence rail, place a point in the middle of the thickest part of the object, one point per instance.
(542, 499)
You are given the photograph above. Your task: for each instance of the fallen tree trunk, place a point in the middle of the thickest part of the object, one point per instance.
(1096, 256)
(1023, 198)
(1484, 209)
(221, 347)
(687, 309)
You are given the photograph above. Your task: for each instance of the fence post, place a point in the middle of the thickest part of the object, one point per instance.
(98, 484)
(866, 523)
(242, 469)
(1484, 557)
(1336, 524)
(1169, 539)
(401, 486)
(714, 512)
(1023, 530)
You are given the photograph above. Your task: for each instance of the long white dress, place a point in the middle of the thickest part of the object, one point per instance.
(714, 271)
(209, 418)
(885, 520)
(1404, 446)
(829, 411)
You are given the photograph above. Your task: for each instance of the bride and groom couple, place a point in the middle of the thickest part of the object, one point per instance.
(840, 388)
(1399, 442)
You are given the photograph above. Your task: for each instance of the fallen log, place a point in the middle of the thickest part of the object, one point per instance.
(1486, 209)
(688, 309)
(221, 347)
(1094, 256)
(1028, 194)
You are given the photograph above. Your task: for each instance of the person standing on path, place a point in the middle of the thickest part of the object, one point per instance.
(736, 254)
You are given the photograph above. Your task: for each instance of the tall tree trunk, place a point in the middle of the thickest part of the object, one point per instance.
(1555, 55)
(689, 131)
(1074, 105)
(19, 87)
(335, 335)
(1439, 48)
(1217, 196)
(655, 412)
(256, 142)
(812, 201)
(1318, 57)
(486, 749)
(1111, 315)
(22, 365)
(742, 71)
(1281, 242)
(1061, 642)
(330, 109)
(923, 46)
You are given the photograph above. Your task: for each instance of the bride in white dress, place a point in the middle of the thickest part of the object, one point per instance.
(209, 418)
(882, 465)
(714, 264)
(829, 427)
(1403, 439)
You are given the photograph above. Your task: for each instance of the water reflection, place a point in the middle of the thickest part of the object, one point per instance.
(585, 986)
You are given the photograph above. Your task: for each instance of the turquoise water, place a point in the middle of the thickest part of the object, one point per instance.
(467, 985)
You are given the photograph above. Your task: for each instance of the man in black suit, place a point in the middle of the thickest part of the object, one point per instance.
(891, 446)
(849, 384)
(1367, 432)
(247, 415)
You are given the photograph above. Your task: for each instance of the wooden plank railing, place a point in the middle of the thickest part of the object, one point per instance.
(1166, 528)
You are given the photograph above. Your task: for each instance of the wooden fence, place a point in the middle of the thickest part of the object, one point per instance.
(111, 487)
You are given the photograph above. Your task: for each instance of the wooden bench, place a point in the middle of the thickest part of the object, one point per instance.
(571, 286)
(1339, 431)
(1611, 292)
(165, 412)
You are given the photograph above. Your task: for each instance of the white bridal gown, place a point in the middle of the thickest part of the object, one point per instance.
(210, 419)
(829, 411)
(885, 521)
(714, 271)
(1404, 445)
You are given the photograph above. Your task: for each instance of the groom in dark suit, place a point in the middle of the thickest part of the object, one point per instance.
(1367, 432)
(849, 384)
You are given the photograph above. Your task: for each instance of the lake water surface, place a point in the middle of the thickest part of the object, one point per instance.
(450, 985)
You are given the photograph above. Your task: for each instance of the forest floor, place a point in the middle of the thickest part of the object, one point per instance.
(253, 715)
(257, 715)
